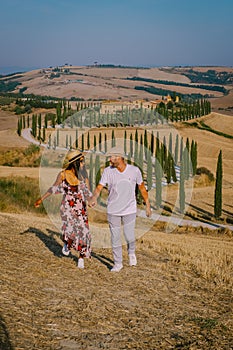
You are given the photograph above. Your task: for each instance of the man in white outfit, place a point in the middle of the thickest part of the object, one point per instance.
(121, 179)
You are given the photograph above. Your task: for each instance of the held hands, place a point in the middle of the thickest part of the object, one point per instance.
(92, 201)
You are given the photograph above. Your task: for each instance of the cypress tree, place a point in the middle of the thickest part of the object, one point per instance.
(170, 144)
(76, 138)
(71, 122)
(187, 160)
(173, 170)
(149, 170)
(81, 121)
(54, 141)
(152, 143)
(158, 177)
(53, 121)
(157, 142)
(34, 125)
(156, 117)
(105, 143)
(44, 135)
(19, 128)
(46, 121)
(113, 138)
(97, 169)
(181, 149)
(70, 142)
(218, 188)
(88, 140)
(82, 147)
(58, 113)
(49, 141)
(136, 147)
(125, 138)
(91, 172)
(145, 143)
(95, 121)
(182, 188)
(90, 121)
(193, 157)
(128, 158)
(164, 154)
(131, 145)
(140, 157)
(94, 143)
(187, 144)
(136, 155)
(186, 163)
(136, 136)
(58, 136)
(176, 149)
(100, 141)
(168, 170)
(24, 123)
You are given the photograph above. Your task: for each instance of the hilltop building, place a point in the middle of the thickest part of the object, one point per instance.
(113, 106)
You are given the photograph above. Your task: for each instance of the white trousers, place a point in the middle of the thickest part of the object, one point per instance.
(128, 222)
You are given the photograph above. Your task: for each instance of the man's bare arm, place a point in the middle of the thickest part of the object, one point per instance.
(145, 196)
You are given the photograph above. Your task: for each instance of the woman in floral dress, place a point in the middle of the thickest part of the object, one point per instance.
(72, 182)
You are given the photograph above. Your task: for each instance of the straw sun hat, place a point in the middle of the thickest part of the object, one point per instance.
(116, 151)
(72, 157)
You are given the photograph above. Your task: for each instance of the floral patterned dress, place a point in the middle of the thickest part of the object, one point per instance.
(73, 210)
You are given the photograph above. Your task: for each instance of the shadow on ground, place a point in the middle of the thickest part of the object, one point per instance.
(50, 241)
(5, 343)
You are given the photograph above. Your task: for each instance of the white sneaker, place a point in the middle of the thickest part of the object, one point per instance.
(65, 250)
(81, 263)
(116, 268)
(132, 260)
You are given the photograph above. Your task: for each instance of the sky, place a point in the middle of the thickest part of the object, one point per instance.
(151, 33)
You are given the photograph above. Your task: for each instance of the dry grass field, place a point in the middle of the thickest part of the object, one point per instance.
(108, 83)
(178, 297)
(180, 294)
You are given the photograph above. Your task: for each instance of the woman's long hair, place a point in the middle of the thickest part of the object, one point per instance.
(81, 174)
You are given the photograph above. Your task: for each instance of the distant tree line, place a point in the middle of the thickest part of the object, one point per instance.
(162, 92)
(167, 82)
(38, 102)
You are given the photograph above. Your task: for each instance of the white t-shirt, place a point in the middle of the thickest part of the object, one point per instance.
(121, 188)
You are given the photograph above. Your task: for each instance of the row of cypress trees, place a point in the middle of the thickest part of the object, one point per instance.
(95, 173)
(165, 161)
(66, 116)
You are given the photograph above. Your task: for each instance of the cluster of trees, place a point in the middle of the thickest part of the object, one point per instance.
(209, 77)
(8, 86)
